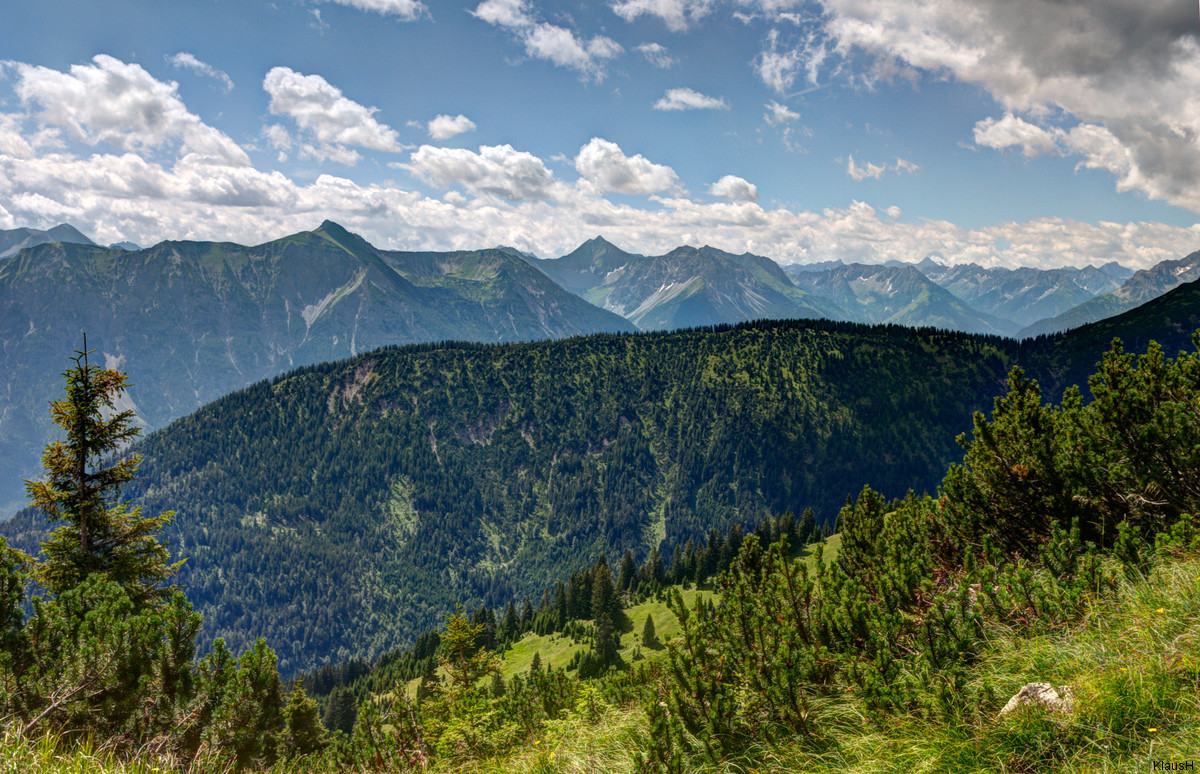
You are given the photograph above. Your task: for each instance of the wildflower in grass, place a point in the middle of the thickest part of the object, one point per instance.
(1161, 610)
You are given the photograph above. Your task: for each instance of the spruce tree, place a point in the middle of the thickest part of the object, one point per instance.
(527, 615)
(341, 713)
(81, 489)
(649, 635)
(627, 580)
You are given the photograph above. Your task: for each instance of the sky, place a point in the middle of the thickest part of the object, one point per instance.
(1004, 132)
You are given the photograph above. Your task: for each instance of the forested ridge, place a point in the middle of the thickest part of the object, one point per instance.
(1056, 564)
(340, 509)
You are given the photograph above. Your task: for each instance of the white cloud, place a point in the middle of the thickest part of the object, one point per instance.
(185, 60)
(320, 109)
(542, 40)
(499, 170)
(1011, 131)
(607, 168)
(862, 173)
(734, 188)
(444, 127)
(405, 10)
(876, 171)
(778, 67)
(1129, 67)
(1099, 147)
(505, 13)
(124, 196)
(779, 114)
(676, 14)
(155, 185)
(656, 54)
(689, 99)
(894, 212)
(122, 105)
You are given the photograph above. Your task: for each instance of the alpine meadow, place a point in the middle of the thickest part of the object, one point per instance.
(632, 386)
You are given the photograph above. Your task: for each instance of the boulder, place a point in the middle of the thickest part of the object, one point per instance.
(1059, 699)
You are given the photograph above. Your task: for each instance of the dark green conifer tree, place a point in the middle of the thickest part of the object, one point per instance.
(341, 713)
(511, 627)
(81, 489)
(302, 729)
(649, 635)
(627, 580)
(527, 615)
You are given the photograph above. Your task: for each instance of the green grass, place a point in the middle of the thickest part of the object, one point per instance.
(556, 650)
(1133, 664)
(50, 755)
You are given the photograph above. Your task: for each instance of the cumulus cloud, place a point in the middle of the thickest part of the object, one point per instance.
(499, 170)
(779, 114)
(506, 199)
(876, 171)
(676, 14)
(542, 40)
(734, 188)
(405, 10)
(184, 60)
(122, 105)
(444, 127)
(689, 99)
(656, 54)
(607, 168)
(1011, 131)
(320, 109)
(147, 183)
(1128, 67)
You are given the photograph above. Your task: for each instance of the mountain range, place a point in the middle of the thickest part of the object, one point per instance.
(14, 240)
(1143, 286)
(899, 295)
(191, 321)
(1024, 295)
(686, 287)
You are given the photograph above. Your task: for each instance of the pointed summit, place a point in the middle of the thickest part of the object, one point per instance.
(331, 228)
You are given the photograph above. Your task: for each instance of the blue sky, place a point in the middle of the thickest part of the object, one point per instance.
(1007, 132)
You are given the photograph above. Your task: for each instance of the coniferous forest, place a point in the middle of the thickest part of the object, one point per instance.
(1057, 546)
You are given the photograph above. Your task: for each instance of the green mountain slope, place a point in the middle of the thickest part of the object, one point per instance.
(342, 508)
(1143, 286)
(191, 321)
(901, 295)
(1068, 359)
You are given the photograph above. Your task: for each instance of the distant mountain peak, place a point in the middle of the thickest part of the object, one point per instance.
(14, 240)
(331, 227)
(65, 232)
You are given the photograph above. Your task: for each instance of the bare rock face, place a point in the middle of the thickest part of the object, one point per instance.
(1059, 699)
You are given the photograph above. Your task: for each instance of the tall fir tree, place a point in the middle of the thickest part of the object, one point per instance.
(82, 487)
